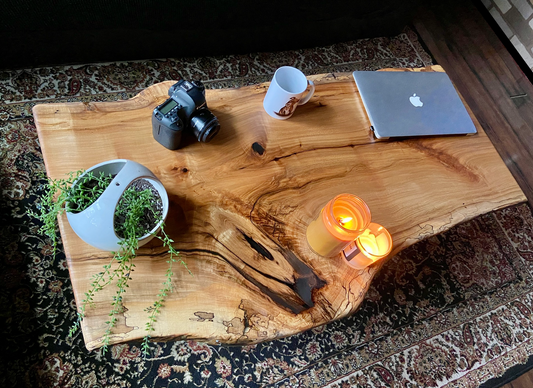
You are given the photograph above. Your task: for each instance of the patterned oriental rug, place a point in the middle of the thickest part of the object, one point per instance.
(454, 310)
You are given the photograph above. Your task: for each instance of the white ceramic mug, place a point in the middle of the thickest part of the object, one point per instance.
(285, 92)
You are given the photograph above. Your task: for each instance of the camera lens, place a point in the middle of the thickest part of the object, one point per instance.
(204, 125)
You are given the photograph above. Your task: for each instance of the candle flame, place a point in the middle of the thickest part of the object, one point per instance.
(344, 220)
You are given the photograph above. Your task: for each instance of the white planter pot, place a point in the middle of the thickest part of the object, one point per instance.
(95, 225)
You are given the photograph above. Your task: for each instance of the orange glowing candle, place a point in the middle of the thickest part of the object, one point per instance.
(341, 221)
(373, 244)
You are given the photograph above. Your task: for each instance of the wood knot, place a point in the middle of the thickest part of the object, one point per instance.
(181, 169)
(88, 106)
(258, 148)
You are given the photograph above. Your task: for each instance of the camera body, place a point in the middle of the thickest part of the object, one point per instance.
(186, 109)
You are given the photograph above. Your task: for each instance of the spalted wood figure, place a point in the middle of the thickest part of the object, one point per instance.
(241, 204)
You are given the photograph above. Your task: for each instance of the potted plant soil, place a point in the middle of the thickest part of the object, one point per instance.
(117, 206)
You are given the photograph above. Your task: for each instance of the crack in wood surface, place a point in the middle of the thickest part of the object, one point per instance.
(278, 158)
(295, 306)
(305, 279)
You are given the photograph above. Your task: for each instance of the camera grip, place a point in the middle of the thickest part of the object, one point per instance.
(169, 137)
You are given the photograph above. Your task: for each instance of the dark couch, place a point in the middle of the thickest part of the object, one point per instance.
(50, 32)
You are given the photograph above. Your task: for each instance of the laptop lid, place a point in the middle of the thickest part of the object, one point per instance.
(405, 103)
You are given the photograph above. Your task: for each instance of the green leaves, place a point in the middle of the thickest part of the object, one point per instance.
(52, 204)
(155, 309)
(86, 191)
(76, 193)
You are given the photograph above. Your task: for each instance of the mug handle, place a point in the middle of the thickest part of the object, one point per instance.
(309, 95)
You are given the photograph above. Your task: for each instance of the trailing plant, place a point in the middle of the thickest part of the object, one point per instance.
(154, 310)
(134, 217)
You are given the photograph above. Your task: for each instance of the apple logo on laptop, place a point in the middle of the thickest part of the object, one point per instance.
(415, 100)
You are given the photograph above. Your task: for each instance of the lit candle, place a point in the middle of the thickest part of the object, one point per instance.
(373, 244)
(341, 221)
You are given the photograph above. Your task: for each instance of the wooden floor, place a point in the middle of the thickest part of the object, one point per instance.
(490, 77)
(524, 381)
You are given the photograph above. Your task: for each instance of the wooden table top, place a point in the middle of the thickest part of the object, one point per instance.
(240, 206)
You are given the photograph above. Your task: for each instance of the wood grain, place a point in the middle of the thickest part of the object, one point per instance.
(524, 381)
(240, 206)
(488, 77)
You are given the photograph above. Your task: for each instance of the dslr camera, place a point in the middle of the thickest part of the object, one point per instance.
(186, 109)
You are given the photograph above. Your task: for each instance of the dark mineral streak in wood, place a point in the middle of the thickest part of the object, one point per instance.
(258, 247)
(295, 304)
(305, 279)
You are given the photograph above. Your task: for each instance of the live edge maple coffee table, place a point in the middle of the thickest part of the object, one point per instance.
(240, 206)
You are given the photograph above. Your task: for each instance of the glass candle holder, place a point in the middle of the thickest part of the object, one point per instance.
(372, 245)
(341, 221)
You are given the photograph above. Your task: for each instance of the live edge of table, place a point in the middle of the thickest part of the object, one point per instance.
(240, 206)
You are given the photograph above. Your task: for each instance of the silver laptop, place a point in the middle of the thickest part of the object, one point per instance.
(405, 104)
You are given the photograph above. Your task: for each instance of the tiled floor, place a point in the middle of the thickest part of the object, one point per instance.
(515, 18)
